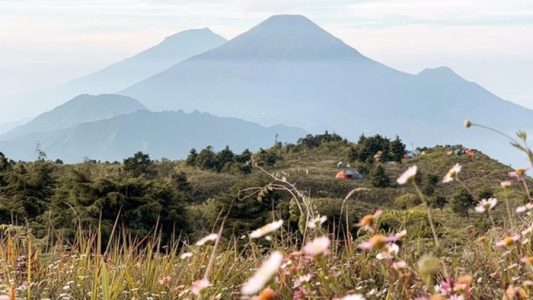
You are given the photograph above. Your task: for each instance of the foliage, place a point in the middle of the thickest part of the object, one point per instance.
(378, 177)
(377, 147)
(462, 201)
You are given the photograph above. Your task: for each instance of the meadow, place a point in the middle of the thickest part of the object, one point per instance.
(279, 226)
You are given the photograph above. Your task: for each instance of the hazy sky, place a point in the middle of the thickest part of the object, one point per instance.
(45, 42)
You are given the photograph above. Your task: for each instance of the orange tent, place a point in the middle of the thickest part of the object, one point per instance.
(341, 175)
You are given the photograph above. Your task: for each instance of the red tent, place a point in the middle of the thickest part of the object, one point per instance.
(349, 174)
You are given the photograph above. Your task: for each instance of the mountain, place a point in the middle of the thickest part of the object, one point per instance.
(8, 126)
(120, 75)
(173, 49)
(288, 70)
(81, 109)
(161, 134)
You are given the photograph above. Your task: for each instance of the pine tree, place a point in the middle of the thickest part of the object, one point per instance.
(378, 177)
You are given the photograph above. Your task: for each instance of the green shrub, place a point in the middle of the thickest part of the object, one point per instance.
(406, 201)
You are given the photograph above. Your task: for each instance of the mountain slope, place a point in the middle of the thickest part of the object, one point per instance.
(172, 50)
(288, 70)
(81, 109)
(163, 134)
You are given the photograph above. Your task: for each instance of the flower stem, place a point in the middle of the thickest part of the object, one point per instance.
(430, 217)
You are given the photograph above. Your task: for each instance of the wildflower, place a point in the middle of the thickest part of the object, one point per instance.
(397, 265)
(198, 286)
(452, 173)
(486, 205)
(165, 280)
(299, 294)
(527, 260)
(263, 275)
(317, 246)
(185, 255)
(505, 184)
(468, 123)
(389, 252)
(209, 238)
(518, 174)
(302, 279)
(378, 241)
(316, 222)
(266, 294)
(268, 228)
(353, 297)
(407, 176)
(508, 241)
(522, 209)
(368, 222)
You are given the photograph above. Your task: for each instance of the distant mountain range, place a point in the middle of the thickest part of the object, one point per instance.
(286, 70)
(112, 127)
(120, 75)
(81, 109)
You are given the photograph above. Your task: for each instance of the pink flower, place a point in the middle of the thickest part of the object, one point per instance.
(198, 286)
(508, 241)
(397, 265)
(378, 241)
(368, 222)
(518, 174)
(317, 246)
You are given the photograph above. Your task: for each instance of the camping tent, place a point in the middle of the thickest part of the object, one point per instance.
(349, 174)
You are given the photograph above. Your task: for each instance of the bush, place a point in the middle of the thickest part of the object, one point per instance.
(461, 202)
(379, 178)
(406, 201)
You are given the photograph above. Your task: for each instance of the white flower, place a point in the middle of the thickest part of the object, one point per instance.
(209, 238)
(390, 251)
(486, 204)
(268, 228)
(302, 279)
(407, 176)
(185, 255)
(263, 275)
(198, 286)
(452, 173)
(524, 208)
(317, 246)
(353, 297)
(505, 184)
(316, 222)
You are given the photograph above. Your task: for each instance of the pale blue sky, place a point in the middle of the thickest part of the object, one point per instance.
(45, 42)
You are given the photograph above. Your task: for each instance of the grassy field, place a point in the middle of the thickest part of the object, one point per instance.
(351, 240)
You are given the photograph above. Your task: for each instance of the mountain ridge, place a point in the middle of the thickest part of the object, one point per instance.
(172, 49)
(250, 78)
(160, 134)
